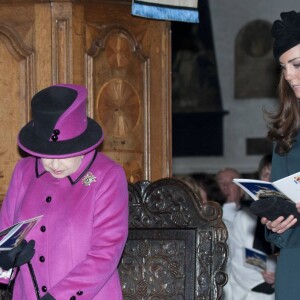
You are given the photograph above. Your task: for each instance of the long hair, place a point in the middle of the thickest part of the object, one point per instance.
(285, 123)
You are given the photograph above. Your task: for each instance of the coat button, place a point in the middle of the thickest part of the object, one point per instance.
(73, 298)
(42, 258)
(44, 288)
(48, 199)
(43, 228)
(79, 293)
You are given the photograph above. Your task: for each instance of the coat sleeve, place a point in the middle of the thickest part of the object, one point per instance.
(110, 229)
(9, 205)
(287, 239)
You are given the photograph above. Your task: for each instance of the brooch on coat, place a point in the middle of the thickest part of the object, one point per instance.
(88, 179)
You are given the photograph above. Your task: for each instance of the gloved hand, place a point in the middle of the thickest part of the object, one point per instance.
(17, 256)
(273, 207)
(47, 297)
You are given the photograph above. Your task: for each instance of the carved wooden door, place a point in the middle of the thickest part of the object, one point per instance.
(123, 60)
(25, 67)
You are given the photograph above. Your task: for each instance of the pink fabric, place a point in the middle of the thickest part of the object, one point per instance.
(73, 122)
(86, 229)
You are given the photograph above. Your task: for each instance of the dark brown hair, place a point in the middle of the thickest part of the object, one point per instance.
(285, 123)
(266, 161)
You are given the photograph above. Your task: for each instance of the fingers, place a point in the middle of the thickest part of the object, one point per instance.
(269, 277)
(298, 206)
(13, 252)
(280, 225)
(26, 254)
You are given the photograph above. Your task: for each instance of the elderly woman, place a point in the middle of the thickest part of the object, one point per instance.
(82, 195)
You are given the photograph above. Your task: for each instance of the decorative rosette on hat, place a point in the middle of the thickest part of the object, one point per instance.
(286, 33)
(60, 127)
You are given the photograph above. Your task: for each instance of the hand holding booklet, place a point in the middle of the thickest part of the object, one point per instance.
(273, 199)
(14, 235)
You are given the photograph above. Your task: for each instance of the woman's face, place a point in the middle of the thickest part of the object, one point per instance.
(265, 173)
(290, 64)
(60, 168)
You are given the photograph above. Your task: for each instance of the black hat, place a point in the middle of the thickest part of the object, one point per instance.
(60, 127)
(286, 33)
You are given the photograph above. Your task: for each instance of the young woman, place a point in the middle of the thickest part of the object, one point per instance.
(82, 195)
(285, 132)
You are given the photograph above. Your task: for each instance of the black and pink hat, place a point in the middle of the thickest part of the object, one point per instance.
(60, 127)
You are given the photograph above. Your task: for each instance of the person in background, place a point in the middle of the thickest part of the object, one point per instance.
(83, 197)
(233, 194)
(264, 168)
(209, 188)
(244, 281)
(284, 131)
(191, 183)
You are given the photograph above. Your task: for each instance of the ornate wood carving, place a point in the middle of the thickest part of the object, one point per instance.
(128, 76)
(121, 98)
(176, 247)
(123, 60)
(62, 42)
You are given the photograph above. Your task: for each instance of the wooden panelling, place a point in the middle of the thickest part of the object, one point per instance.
(17, 81)
(123, 60)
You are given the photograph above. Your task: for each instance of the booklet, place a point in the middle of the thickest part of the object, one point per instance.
(255, 259)
(14, 235)
(287, 187)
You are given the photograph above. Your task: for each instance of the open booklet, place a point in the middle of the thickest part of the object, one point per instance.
(273, 199)
(287, 187)
(14, 235)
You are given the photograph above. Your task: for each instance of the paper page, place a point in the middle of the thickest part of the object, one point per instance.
(256, 187)
(17, 233)
(290, 186)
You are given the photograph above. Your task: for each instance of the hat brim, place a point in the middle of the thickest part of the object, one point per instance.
(87, 141)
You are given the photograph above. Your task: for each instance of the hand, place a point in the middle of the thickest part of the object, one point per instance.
(269, 277)
(280, 224)
(47, 297)
(298, 206)
(17, 256)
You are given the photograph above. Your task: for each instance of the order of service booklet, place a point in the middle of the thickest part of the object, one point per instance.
(14, 235)
(273, 199)
(255, 259)
(287, 187)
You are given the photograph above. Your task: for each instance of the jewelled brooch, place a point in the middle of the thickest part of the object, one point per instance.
(88, 179)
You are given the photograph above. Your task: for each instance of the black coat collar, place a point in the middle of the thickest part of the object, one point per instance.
(86, 164)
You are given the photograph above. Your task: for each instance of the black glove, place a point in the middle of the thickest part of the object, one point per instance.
(17, 256)
(47, 297)
(273, 207)
(265, 288)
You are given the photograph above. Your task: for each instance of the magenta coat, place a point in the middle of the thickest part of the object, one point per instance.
(80, 239)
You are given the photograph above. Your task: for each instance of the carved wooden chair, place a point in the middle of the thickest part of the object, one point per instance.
(176, 248)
